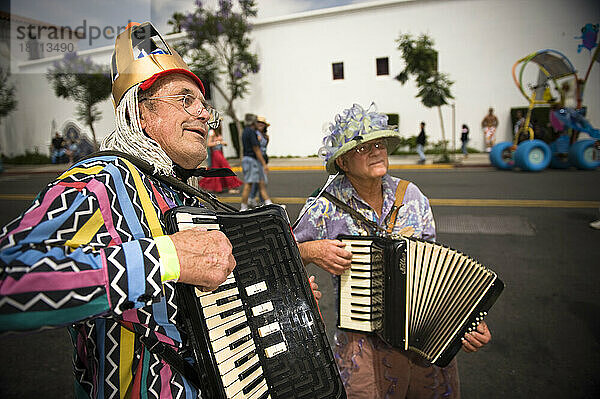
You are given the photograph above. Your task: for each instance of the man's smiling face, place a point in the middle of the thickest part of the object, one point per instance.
(181, 135)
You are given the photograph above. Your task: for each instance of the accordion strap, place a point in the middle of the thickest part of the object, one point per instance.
(174, 359)
(171, 181)
(393, 215)
(400, 191)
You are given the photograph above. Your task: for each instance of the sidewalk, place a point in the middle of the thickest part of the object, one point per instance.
(297, 163)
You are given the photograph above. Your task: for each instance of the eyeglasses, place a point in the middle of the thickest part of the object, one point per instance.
(188, 101)
(366, 148)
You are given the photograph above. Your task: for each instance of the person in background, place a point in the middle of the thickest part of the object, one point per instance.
(421, 140)
(464, 139)
(215, 148)
(489, 125)
(358, 149)
(72, 150)
(255, 199)
(253, 164)
(58, 148)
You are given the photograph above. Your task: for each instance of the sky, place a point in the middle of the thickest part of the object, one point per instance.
(108, 15)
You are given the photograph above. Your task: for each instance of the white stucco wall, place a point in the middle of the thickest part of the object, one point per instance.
(478, 42)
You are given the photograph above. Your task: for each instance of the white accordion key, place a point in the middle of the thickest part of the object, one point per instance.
(275, 349)
(221, 331)
(227, 352)
(240, 358)
(268, 329)
(233, 374)
(262, 308)
(215, 310)
(229, 340)
(241, 383)
(222, 319)
(213, 298)
(361, 258)
(256, 288)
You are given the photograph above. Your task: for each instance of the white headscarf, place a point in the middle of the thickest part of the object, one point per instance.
(129, 137)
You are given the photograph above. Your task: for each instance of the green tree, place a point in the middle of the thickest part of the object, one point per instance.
(219, 50)
(79, 79)
(420, 59)
(175, 21)
(7, 95)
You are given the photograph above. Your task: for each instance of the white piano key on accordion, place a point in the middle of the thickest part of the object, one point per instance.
(357, 283)
(214, 310)
(239, 385)
(226, 352)
(227, 340)
(356, 299)
(358, 245)
(229, 280)
(195, 218)
(361, 325)
(213, 297)
(361, 258)
(357, 274)
(218, 319)
(233, 374)
(220, 331)
(230, 363)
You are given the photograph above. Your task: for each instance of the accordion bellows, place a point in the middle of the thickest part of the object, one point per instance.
(416, 295)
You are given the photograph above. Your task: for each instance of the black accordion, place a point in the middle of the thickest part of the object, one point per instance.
(416, 295)
(260, 334)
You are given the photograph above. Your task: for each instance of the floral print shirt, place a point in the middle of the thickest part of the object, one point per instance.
(324, 220)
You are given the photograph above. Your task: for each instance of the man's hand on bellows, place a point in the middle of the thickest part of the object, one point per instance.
(205, 257)
(329, 255)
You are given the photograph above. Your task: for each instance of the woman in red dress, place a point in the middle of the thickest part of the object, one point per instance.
(217, 160)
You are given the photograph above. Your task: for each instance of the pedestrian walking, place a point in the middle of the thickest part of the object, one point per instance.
(464, 138)
(421, 140)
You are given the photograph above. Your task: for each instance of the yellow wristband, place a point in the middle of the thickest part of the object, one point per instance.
(169, 262)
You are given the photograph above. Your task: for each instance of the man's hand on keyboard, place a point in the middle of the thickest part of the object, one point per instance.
(205, 257)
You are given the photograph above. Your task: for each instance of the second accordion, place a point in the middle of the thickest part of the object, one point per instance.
(416, 295)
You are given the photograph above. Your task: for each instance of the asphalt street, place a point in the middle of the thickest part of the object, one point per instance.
(531, 228)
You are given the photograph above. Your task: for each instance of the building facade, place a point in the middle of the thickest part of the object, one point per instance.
(478, 41)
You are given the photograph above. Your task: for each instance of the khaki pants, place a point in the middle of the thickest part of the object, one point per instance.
(371, 369)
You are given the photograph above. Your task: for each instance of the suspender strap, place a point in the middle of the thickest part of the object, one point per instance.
(400, 191)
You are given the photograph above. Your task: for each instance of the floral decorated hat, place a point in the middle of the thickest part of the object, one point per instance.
(355, 126)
